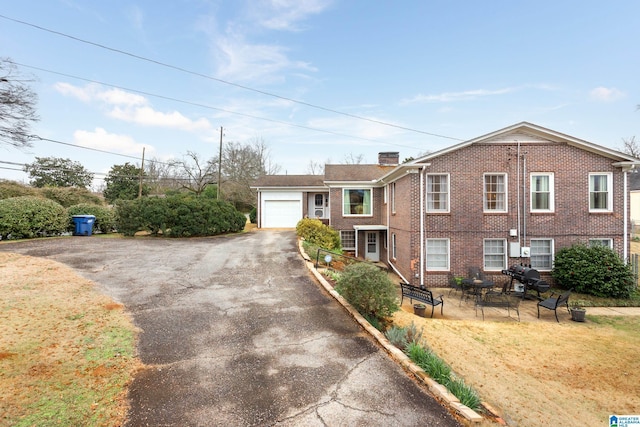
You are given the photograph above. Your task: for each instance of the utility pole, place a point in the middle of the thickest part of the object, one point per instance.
(219, 192)
(141, 173)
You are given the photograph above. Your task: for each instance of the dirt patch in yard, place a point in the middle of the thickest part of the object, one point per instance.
(533, 372)
(66, 352)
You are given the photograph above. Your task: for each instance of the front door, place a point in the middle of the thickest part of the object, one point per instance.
(371, 252)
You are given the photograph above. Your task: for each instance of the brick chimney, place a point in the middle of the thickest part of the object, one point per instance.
(389, 158)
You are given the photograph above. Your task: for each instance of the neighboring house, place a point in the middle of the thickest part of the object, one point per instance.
(513, 196)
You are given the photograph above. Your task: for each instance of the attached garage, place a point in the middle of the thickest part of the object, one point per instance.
(280, 209)
(283, 200)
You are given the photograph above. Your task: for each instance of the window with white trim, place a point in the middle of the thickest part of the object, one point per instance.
(437, 193)
(393, 246)
(541, 254)
(601, 192)
(542, 192)
(437, 251)
(495, 254)
(348, 239)
(495, 193)
(393, 197)
(604, 242)
(356, 201)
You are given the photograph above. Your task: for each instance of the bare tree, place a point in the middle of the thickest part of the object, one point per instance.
(315, 168)
(161, 176)
(242, 164)
(631, 147)
(17, 106)
(352, 159)
(195, 173)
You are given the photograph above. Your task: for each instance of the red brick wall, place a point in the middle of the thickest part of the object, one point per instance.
(467, 225)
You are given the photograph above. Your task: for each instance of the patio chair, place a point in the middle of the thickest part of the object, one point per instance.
(454, 285)
(552, 303)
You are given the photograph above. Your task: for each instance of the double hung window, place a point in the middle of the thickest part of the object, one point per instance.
(438, 193)
(348, 239)
(495, 254)
(437, 254)
(542, 192)
(495, 193)
(542, 254)
(600, 192)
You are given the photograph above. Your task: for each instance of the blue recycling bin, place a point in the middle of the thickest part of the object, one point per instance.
(83, 224)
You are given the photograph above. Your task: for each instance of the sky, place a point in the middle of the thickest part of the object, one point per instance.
(319, 81)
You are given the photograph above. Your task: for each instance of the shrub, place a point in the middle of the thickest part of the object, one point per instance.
(69, 196)
(315, 232)
(369, 290)
(10, 189)
(596, 270)
(105, 216)
(253, 216)
(397, 336)
(178, 216)
(401, 337)
(28, 216)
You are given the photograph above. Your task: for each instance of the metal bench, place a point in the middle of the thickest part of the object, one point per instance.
(421, 294)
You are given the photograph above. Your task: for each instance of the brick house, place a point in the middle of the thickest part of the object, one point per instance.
(513, 196)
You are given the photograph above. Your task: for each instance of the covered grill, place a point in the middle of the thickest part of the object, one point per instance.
(528, 277)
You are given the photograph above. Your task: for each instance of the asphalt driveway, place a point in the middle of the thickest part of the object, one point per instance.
(236, 332)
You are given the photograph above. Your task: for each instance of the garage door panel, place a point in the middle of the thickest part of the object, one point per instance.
(282, 213)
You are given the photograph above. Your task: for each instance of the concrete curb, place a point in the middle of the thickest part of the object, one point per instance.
(402, 359)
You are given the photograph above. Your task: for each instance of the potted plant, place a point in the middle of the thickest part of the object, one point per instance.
(577, 312)
(420, 310)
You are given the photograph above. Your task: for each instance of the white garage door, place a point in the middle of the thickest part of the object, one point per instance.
(282, 213)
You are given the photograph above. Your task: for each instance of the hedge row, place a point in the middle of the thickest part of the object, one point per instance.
(175, 216)
(66, 196)
(178, 216)
(30, 216)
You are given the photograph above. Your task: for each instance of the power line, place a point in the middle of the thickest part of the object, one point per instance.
(195, 73)
(196, 104)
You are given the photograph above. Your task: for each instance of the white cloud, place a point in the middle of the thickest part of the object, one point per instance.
(101, 140)
(120, 97)
(132, 108)
(239, 58)
(286, 14)
(84, 94)
(457, 96)
(147, 116)
(244, 61)
(605, 94)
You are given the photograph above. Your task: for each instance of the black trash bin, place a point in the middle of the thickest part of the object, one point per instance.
(83, 224)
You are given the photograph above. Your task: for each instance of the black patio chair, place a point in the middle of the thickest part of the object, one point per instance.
(552, 303)
(454, 285)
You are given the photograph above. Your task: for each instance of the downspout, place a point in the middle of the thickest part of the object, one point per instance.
(421, 198)
(625, 219)
(518, 191)
(524, 201)
(388, 191)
